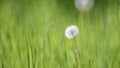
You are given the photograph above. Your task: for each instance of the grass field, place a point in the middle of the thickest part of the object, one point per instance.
(32, 34)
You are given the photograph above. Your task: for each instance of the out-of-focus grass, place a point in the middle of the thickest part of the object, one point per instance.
(32, 34)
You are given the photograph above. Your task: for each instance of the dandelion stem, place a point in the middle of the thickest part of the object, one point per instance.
(77, 52)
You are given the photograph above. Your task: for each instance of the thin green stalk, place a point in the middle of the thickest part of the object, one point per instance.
(77, 52)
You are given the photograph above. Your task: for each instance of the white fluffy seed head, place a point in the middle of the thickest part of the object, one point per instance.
(71, 31)
(84, 5)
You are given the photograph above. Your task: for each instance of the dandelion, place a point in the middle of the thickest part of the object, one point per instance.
(84, 5)
(71, 32)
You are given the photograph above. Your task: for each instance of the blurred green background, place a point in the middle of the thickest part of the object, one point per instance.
(32, 34)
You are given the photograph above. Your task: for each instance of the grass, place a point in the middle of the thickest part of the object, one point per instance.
(32, 34)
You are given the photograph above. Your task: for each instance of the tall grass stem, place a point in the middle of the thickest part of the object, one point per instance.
(76, 52)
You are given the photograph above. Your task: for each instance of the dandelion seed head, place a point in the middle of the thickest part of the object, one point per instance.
(71, 31)
(84, 5)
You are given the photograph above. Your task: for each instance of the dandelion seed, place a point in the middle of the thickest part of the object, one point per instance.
(84, 5)
(71, 31)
